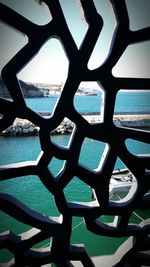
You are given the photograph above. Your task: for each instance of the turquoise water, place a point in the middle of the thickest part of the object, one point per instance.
(29, 189)
(125, 102)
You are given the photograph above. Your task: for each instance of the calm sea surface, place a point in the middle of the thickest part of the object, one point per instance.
(125, 102)
(31, 191)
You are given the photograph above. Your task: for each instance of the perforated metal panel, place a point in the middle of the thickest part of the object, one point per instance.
(62, 251)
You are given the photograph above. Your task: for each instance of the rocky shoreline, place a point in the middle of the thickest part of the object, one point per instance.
(22, 127)
(29, 90)
(26, 128)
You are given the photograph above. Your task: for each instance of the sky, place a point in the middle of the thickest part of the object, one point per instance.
(50, 65)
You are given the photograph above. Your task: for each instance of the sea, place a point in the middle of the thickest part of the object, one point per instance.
(31, 191)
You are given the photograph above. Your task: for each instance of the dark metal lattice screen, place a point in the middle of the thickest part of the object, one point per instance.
(61, 251)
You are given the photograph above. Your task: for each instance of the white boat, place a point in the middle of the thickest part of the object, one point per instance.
(121, 183)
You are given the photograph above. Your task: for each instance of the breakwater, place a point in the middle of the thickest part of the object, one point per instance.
(26, 128)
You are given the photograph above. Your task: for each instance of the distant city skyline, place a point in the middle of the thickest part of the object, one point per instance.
(50, 65)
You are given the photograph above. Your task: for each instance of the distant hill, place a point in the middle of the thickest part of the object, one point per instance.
(28, 90)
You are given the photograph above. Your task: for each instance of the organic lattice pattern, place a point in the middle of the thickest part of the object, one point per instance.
(61, 251)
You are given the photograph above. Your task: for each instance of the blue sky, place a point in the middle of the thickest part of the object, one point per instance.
(51, 64)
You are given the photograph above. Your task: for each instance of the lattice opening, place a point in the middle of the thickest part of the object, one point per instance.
(119, 165)
(72, 192)
(137, 147)
(138, 19)
(18, 41)
(134, 62)
(5, 255)
(86, 95)
(125, 195)
(43, 244)
(86, 154)
(123, 184)
(27, 185)
(55, 166)
(136, 217)
(8, 222)
(24, 151)
(77, 14)
(63, 133)
(60, 227)
(128, 102)
(21, 128)
(103, 44)
(103, 223)
(106, 219)
(88, 238)
(65, 128)
(51, 89)
(41, 12)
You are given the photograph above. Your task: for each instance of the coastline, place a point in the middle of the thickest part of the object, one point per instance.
(23, 127)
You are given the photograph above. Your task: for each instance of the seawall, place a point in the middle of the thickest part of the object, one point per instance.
(26, 128)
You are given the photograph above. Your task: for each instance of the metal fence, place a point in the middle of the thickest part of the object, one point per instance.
(61, 252)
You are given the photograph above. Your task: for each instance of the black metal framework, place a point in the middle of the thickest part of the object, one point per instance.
(61, 251)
